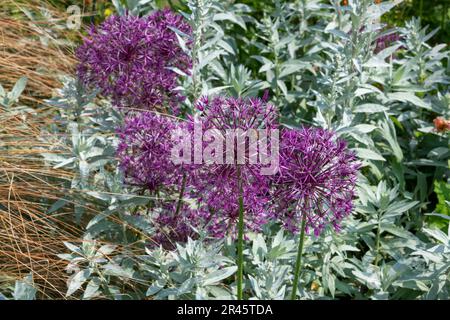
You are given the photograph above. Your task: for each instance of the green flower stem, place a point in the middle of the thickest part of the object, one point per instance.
(298, 263)
(240, 239)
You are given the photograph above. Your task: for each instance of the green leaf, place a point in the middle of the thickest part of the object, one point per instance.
(230, 17)
(282, 87)
(18, 89)
(409, 97)
(77, 280)
(412, 284)
(340, 34)
(218, 275)
(370, 108)
(206, 60)
(72, 247)
(92, 288)
(376, 62)
(291, 67)
(24, 289)
(399, 232)
(368, 154)
(438, 235)
(65, 163)
(156, 287)
(57, 205)
(397, 208)
(106, 249)
(365, 128)
(266, 67)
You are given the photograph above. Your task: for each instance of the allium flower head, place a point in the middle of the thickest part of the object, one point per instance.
(144, 151)
(172, 226)
(217, 183)
(385, 41)
(317, 177)
(128, 58)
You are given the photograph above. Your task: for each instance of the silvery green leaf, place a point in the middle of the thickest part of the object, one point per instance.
(65, 163)
(206, 60)
(367, 89)
(388, 131)
(380, 295)
(73, 247)
(282, 86)
(438, 235)
(368, 277)
(218, 275)
(77, 280)
(156, 287)
(187, 286)
(66, 256)
(18, 89)
(106, 249)
(365, 128)
(385, 53)
(409, 97)
(57, 205)
(368, 154)
(397, 208)
(291, 66)
(397, 231)
(113, 269)
(439, 153)
(219, 293)
(266, 67)
(376, 10)
(370, 108)
(412, 284)
(24, 289)
(375, 62)
(92, 288)
(331, 284)
(99, 217)
(339, 34)
(231, 17)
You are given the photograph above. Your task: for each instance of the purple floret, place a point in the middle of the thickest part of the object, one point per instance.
(144, 151)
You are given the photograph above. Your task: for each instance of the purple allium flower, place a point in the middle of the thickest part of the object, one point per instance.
(217, 183)
(128, 57)
(144, 151)
(317, 178)
(385, 41)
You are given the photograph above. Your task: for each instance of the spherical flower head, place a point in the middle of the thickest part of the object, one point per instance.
(173, 227)
(317, 178)
(385, 41)
(217, 182)
(144, 151)
(129, 59)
